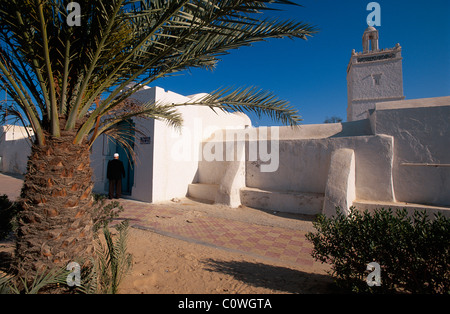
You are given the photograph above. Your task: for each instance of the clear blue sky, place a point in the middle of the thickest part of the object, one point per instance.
(311, 74)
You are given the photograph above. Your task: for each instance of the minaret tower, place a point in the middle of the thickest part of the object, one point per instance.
(373, 76)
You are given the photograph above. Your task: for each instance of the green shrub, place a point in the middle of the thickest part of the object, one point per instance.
(412, 250)
(8, 212)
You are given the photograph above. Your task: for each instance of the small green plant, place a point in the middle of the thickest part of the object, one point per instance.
(113, 261)
(33, 284)
(103, 273)
(104, 214)
(110, 264)
(413, 250)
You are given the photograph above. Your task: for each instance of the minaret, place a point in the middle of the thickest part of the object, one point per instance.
(373, 76)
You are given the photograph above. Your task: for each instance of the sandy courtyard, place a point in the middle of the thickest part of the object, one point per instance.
(164, 264)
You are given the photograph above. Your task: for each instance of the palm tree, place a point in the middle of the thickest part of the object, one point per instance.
(56, 73)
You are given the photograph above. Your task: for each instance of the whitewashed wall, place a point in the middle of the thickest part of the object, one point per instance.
(15, 147)
(421, 128)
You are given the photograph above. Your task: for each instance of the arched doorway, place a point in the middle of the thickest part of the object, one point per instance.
(117, 146)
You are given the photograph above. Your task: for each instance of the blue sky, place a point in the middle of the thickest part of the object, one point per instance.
(311, 74)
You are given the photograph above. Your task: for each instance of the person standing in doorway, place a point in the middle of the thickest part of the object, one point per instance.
(115, 173)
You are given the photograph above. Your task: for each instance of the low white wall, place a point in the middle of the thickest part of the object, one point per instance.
(296, 168)
(421, 128)
(406, 159)
(340, 191)
(304, 166)
(318, 131)
(15, 148)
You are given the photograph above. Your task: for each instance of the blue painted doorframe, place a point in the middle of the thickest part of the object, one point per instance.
(115, 147)
(128, 181)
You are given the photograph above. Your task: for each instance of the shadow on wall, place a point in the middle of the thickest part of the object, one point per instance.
(355, 128)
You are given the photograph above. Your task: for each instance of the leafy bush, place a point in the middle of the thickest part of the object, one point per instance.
(412, 250)
(8, 212)
(110, 264)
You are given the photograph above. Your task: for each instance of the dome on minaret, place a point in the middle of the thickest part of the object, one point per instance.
(373, 76)
(370, 29)
(370, 40)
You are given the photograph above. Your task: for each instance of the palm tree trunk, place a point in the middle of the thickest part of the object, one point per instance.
(55, 225)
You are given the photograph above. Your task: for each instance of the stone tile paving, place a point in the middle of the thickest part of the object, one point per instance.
(283, 244)
(271, 242)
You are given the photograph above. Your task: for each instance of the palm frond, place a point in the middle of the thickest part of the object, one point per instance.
(117, 126)
(55, 72)
(250, 99)
(33, 283)
(113, 259)
(6, 285)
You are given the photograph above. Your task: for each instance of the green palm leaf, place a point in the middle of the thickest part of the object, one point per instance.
(55, 73)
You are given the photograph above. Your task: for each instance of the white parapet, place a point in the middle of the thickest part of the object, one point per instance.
(341, 189)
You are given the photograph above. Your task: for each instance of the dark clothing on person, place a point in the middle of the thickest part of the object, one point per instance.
(115, 185)
(115, 170)
(114, 173)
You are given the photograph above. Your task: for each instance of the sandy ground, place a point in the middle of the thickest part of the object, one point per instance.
(163, 264)
(168, 265)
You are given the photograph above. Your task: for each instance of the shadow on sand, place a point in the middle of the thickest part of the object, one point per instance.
(278, 278)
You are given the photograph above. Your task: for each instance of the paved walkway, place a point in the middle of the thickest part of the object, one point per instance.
(266, 241)
(11, 184)
(275, 238)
